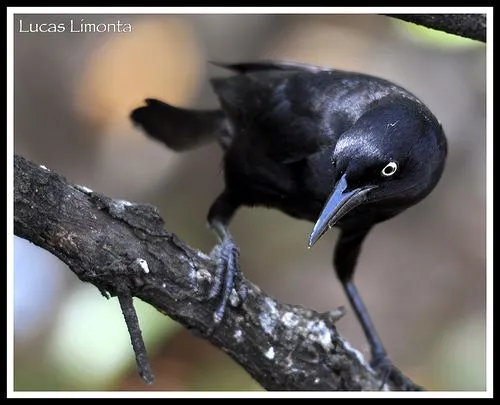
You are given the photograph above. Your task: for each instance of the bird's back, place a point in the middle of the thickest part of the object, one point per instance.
(292, 111)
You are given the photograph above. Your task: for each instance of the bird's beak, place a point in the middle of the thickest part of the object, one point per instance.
(339, 203)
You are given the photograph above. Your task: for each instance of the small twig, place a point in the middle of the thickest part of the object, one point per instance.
(141, 357)
(471, 26)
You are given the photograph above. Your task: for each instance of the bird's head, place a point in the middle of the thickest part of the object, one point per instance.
(391, 158)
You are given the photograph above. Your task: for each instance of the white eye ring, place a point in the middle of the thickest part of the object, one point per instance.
(389, 169)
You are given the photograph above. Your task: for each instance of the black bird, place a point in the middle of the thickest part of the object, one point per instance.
(333, 147)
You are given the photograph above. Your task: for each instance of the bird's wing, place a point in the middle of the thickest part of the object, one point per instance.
(280, 107)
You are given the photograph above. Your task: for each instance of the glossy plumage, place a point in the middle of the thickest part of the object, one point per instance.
(333, 147)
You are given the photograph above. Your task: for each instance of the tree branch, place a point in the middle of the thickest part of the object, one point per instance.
(122, 247)
(471, 26)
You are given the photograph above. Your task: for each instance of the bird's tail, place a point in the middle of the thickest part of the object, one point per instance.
(180, 129)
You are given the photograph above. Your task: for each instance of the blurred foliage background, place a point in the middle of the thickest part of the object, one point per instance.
(422, 274)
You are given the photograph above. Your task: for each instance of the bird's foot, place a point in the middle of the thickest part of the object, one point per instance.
(389, 373)
(226, 255)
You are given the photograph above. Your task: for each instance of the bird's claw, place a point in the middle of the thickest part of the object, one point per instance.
(226, 255)
(389, 373)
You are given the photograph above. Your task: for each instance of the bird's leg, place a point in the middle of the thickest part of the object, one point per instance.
(380, 360)
(226, 253)
(345, 258)
(378, 351)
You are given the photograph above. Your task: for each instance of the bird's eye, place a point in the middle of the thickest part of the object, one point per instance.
(389, 169)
